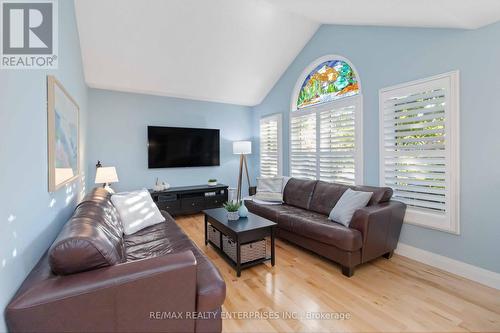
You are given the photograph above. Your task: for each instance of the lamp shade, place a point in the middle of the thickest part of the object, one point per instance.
(106, 175)
(242, 147)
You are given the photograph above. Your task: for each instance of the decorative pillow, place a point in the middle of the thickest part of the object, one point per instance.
(347, 205)
(270, 189)
(271, 184)
(269, 196)
(137, 210)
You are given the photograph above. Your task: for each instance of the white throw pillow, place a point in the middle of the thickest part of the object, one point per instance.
(271, 184)
(270, 189)
(269, 196)
(348, 204)
(137, 210)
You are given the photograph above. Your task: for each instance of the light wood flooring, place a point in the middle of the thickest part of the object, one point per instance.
(383, 296)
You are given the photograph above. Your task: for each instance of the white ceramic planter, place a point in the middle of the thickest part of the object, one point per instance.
(233, 216)
(212, 183)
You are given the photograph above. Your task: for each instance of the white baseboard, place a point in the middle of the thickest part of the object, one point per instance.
(474, 273)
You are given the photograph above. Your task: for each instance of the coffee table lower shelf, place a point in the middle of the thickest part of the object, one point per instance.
(233, 263)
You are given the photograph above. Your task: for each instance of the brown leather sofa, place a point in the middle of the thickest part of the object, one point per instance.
(303, 219)
(94, 279)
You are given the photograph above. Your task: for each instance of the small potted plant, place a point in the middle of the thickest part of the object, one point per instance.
(232, 210)
(212, 182)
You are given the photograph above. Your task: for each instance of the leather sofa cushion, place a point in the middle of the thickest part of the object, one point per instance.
(298, 192)
(380, 194)
(317, 226)
(168, 237)
(104, 213)
(325, 196)
(269, 212)
(90, 239)
(97, 205)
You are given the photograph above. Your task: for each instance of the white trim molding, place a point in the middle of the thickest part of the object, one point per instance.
(468, 271)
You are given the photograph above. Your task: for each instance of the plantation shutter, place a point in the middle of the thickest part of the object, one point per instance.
(337, 145)
(270, 146)
(416, 150)
(303, 160)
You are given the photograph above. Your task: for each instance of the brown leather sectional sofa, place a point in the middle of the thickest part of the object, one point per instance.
(93, 279)
(303, 220)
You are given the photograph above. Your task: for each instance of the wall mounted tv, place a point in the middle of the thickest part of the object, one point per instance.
(175, 147)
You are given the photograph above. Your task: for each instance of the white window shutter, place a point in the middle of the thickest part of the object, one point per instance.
(419, 149)
(303, 159)
(326, 142)
(337, 145)
(270, 146)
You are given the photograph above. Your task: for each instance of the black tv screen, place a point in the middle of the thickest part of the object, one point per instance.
(174, 147)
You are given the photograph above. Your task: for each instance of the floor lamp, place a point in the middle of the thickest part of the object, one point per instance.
(242, 148)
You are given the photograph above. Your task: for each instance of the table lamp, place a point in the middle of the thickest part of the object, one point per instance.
(105, 176)
(242, 148)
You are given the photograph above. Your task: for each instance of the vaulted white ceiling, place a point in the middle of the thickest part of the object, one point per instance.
(232, 51)
(464, 14)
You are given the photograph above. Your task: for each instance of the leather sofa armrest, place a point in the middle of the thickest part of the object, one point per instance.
(133, 296)
(380, 226)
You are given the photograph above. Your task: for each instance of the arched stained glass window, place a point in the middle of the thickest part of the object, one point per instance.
(329, 81)
(326, 134)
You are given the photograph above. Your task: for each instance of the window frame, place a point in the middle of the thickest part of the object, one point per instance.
(356, 100)
(450, 222)
(279, 119)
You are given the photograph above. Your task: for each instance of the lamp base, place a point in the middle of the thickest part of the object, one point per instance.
(108, 188)
(243, 165)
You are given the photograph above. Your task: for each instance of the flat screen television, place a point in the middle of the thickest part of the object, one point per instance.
(176, 147)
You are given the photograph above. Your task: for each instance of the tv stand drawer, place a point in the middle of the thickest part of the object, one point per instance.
(169, 206)
(192, 204)
(215, 201)
(167, 197)
(190, 199)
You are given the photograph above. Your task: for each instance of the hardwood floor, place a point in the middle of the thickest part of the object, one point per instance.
(383, 296)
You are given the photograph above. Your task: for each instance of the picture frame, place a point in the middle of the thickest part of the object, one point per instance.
(63, 136)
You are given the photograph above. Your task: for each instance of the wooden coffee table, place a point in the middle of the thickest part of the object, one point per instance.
(242, 231)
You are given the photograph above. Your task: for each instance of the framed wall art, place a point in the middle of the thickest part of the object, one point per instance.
(63, 135)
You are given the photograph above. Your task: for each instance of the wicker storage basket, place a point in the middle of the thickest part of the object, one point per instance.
(214, 235)
(249, 252)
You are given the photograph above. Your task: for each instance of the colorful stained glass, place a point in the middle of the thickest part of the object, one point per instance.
(329, 81)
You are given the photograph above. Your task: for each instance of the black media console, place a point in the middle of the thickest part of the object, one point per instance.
(185, 200)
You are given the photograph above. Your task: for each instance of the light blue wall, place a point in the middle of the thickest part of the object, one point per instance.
(388, 56)
(30, 217)
(118, 136)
